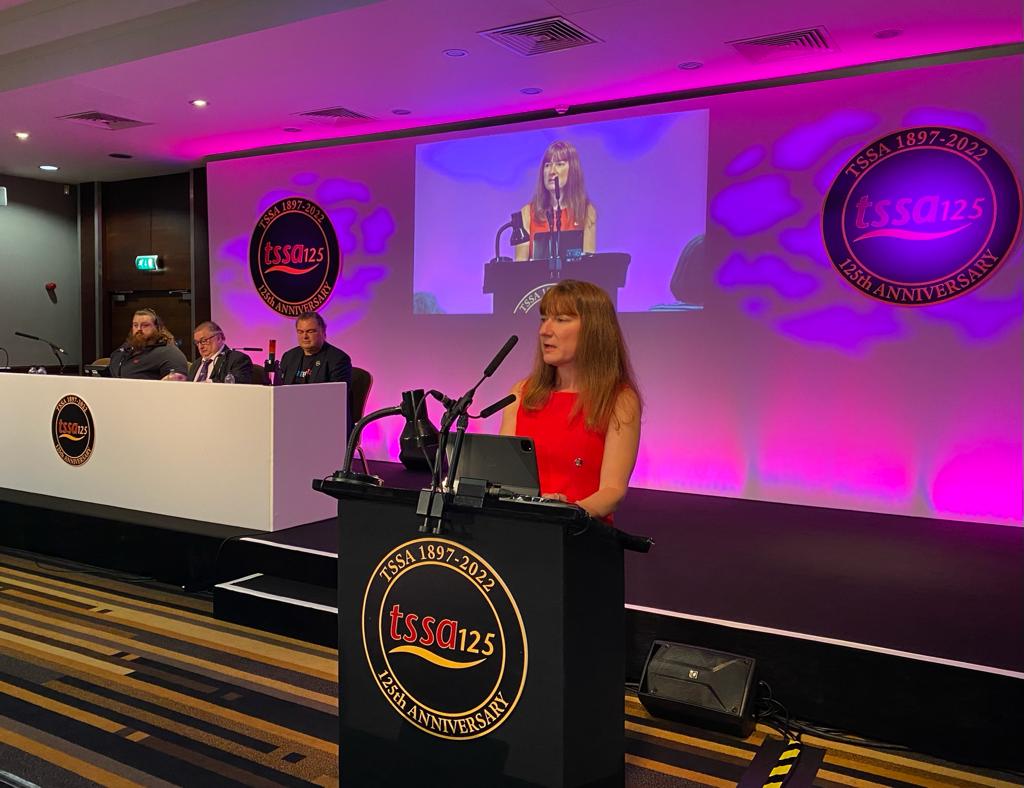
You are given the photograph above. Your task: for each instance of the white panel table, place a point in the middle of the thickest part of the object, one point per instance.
(237, 455)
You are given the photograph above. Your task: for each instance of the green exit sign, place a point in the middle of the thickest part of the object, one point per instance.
(147, 262)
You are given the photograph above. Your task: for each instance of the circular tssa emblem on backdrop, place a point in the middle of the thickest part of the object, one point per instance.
(294, 257)
(922, 215)
(72, 430)
(444, 639)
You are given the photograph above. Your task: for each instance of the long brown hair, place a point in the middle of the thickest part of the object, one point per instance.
(574, 196)
(161, 330)
(603, 370)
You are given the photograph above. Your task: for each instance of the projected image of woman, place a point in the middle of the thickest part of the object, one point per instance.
(580, 403)
(560, 187)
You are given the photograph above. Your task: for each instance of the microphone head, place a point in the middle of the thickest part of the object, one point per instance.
(505, 350)
(501, 404)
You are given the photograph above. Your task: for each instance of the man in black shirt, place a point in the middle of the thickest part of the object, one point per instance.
(149, 352)
(315, 360)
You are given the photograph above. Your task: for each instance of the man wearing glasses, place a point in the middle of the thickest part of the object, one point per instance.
(217, 363)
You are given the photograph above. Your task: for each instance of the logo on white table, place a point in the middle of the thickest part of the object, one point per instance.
(72, 430)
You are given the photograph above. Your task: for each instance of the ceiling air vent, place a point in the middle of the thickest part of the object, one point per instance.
(540, 36)
(779, 46)
(334, 116)
(101, 120)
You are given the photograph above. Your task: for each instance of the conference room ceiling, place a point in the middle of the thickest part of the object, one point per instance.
(261, 64)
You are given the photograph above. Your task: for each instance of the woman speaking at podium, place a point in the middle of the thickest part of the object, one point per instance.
(559, 188)
(580, 404)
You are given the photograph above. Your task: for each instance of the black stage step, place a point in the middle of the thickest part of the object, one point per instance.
(306, 552)
(282, 605)
(286, 581)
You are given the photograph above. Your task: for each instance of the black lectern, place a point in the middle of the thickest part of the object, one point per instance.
(518, 286)
(490, 654)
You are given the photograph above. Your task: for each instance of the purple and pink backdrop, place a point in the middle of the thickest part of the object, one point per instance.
(789, 385)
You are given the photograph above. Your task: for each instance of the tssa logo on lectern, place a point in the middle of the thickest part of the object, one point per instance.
(922, 215)
(294, 258)
(532, 298)
(72, 430)
(444, 639)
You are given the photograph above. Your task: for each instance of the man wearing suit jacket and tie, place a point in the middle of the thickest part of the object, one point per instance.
(217, 363)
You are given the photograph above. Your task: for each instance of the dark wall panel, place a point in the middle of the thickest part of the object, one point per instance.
(148, 216)
(39, 244)
(200, 248)
(87, 207)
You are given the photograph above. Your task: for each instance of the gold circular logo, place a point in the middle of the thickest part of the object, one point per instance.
(294, 257)
(72, 430)
(444, 638)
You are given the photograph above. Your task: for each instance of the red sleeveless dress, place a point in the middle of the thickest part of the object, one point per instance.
(568, 454)
(539, 224)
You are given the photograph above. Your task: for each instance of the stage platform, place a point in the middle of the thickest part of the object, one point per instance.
(901, 629)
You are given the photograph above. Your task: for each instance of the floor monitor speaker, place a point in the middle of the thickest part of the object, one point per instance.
(698, 686)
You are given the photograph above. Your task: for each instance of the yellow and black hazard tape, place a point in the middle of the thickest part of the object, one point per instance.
(784, 767)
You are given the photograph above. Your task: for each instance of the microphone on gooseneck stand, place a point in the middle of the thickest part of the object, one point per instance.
(558, 221)
(457, 411)
(250, 349)
(125, 350)
(58, 351)
(550, 216)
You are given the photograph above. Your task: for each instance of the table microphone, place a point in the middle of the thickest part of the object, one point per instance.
(57, 348)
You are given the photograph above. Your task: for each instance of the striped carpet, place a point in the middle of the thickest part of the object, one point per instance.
(115, 683)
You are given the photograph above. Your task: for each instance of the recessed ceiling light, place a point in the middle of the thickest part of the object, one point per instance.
(888, 33)
(531, 91)
(401, 112)
(49, 167)
(690, 65)
(119, 155)
(200, 103)
(21, 135)
(291, 129)
(456, 52)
